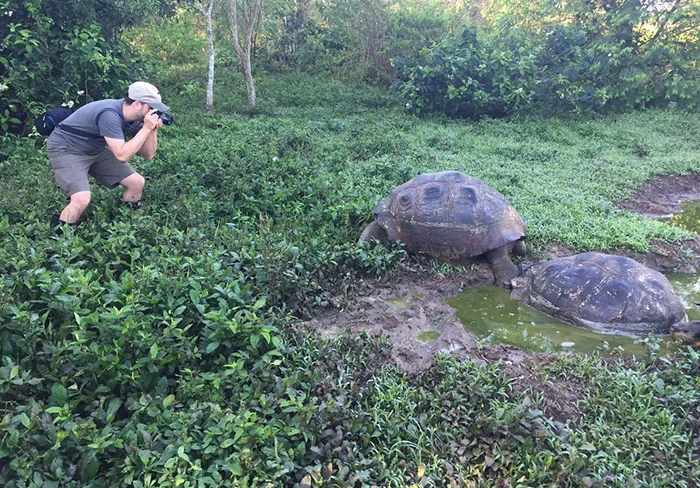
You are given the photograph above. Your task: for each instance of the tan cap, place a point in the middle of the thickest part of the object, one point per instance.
(147, 93)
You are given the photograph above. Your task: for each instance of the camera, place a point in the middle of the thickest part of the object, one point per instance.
(166, 118)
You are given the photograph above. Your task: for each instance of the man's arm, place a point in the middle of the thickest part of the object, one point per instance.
(144, 142)
(148, 149)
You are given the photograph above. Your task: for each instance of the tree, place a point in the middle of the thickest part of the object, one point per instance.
(250, 11)
(54, 52)
(206, 12)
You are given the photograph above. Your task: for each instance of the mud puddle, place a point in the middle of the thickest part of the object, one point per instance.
(493, 317)
(689, 217)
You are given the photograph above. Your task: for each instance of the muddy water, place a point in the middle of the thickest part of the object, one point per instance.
(687, 287)
(491, 315)
(689, 218)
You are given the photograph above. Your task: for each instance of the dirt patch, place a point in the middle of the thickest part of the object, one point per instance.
(661, 197)
(413, 303)
(403, 308)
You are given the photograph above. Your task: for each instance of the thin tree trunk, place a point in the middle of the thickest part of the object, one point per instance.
(250, 14)
(210, 45)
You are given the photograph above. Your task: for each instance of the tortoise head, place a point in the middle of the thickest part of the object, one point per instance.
(688, 332)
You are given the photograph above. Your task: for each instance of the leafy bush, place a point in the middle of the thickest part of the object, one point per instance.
(469, 78)
(581, 56)
(55, 52)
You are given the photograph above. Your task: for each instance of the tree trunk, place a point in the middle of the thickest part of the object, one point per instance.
(251, 12)
(210, 45)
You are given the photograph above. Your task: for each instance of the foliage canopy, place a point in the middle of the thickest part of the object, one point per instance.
(577, 55)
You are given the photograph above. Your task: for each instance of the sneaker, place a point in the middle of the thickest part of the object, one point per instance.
(133, 205)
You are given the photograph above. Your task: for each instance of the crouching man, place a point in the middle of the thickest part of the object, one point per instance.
(98, 139)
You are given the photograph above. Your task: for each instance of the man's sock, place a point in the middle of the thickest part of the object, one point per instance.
(133, 205)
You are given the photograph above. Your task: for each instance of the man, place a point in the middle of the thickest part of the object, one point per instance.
(93, 140)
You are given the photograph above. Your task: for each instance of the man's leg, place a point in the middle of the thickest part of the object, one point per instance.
(71, 173)
(78, 203)
(111, 172)
(133, 189)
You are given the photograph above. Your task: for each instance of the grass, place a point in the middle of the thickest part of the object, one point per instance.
(156, 349)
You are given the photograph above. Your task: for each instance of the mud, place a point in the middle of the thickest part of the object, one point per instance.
(413, 302)
(661, 197)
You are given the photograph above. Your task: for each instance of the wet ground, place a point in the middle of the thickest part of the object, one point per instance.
(413, 311)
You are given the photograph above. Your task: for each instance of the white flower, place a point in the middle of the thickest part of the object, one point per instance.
(3, 87)
(81, 92)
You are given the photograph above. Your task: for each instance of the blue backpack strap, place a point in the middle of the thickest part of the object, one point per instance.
(91, 135)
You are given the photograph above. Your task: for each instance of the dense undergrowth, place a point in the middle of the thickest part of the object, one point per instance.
(156, 348)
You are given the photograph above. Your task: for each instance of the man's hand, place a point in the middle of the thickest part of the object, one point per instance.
(145, 142)
(152, 120)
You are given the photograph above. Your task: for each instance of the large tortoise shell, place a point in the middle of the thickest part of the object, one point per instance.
(606, 293)
(449, 215)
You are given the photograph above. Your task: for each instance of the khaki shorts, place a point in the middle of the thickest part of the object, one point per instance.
(71, 169)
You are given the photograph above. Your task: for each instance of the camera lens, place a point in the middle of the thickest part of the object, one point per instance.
(166, 118)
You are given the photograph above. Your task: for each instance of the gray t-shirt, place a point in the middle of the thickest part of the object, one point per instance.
(93, 122)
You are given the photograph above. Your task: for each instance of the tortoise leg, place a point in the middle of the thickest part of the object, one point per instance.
(374, 231)
(503, 268)
(519, 248)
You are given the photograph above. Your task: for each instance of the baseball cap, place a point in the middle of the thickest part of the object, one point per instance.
(147, 93)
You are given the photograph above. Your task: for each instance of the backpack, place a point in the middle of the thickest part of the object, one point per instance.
(47, 122)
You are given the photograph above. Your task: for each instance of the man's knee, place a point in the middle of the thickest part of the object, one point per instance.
(80, 200)
(134, 182)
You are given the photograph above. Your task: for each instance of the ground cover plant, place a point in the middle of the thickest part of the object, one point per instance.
(158, 347)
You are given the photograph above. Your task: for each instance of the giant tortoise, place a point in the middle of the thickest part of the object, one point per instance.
(451, 217)
(601, 292)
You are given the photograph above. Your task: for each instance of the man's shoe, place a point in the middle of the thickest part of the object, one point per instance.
(133, 205)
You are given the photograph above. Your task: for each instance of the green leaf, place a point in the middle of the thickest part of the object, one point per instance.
(154, 351)
(60, 394)
(227, 443)
(211, 347)
(181, 454)
(168, 400)
(24, 419)
(112, 408)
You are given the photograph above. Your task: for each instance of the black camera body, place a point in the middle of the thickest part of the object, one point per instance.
(166, 118)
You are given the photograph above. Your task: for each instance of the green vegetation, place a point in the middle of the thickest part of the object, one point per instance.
(156, 348)
(161, 347)
(577, 55)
